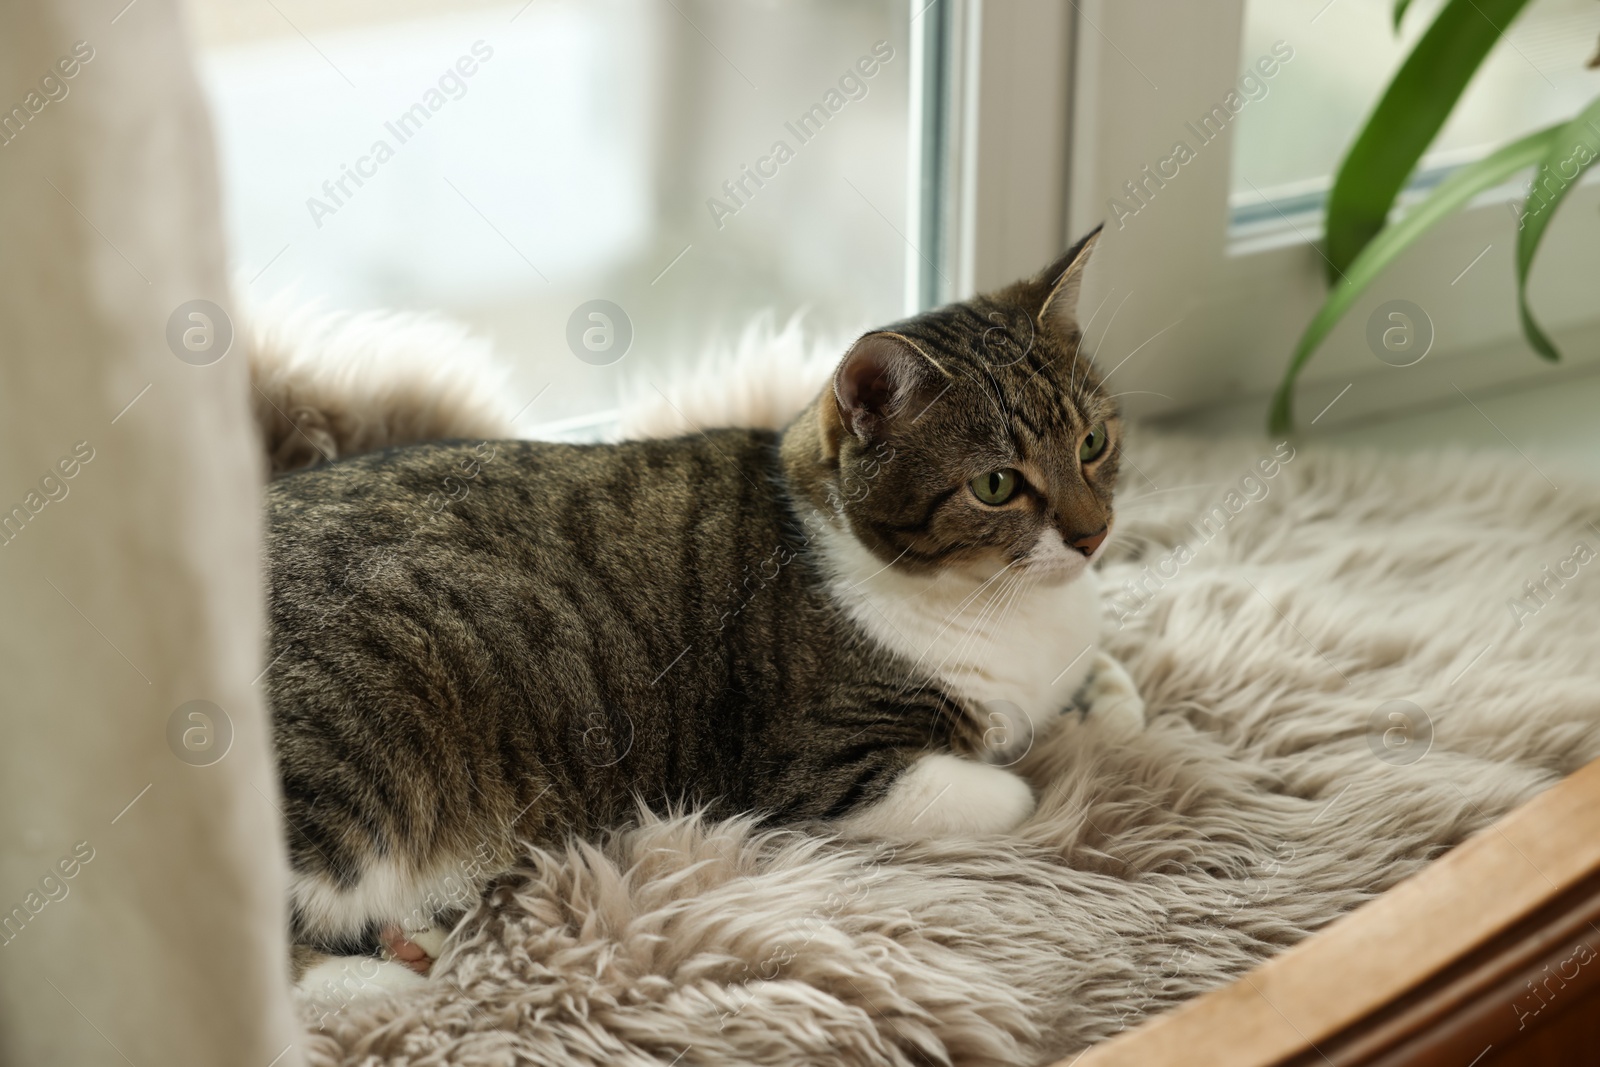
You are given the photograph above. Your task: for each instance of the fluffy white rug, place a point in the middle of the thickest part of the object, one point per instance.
(1274, 790)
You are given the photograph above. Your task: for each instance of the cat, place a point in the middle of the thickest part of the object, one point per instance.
(859, 622)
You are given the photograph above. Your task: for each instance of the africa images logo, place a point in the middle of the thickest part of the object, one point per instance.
(852, 85)
(1253, 84)
(452, 85)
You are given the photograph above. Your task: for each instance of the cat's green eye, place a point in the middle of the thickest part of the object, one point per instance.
(1094, 444)
(996, 487)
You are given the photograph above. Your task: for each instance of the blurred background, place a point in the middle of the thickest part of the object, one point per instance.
(1536, 76)
(586, 157)
(575, 164)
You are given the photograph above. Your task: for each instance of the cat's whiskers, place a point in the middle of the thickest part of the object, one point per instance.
(1003, 595)
(950, 616)
(1000, 608)
(948, 621)
(992, 618)
(1139, 392)
(1025, 587)
(1125, 503)
(1113, 320)
(970, 597)
(863, 581)
(972, 629)
(1082, 333)
(973, 632)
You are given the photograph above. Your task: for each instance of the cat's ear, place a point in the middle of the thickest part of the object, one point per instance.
(874, 382)
(1065, 278)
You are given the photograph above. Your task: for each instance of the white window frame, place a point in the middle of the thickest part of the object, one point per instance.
(988, 152)
(1049, 107)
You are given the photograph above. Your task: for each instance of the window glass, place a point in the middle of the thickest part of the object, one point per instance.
(691, 162)
(1288, 143)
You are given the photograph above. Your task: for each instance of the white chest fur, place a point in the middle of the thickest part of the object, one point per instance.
(1012, 644)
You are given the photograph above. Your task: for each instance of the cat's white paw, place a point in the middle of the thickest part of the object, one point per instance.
(417, 949)
(338, 982)
(942, 796)
(1111, 700)
(431, 940)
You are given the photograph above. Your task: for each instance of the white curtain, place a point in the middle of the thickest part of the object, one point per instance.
(142, 873)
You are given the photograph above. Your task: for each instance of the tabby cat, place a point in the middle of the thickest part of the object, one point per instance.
(860, 620)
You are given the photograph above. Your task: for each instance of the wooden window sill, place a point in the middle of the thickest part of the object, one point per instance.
(1489, 956)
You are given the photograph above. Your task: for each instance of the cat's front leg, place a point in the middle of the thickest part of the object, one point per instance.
(941, 795)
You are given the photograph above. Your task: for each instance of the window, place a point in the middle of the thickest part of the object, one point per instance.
(629, 151)
(1284, 157)
(506, 164)
(1209, 276)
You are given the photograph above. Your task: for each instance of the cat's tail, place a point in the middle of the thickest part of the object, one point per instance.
(325, 386)
(330, 385)
(762, 378)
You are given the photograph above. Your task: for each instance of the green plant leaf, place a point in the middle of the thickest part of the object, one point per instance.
(1451, 193)
(1575, 148)
(1405, 121)
(1400, 12)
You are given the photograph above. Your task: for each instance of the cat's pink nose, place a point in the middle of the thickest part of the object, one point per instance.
(1087, 545)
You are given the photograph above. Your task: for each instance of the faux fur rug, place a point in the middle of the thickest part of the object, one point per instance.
(1346, 672)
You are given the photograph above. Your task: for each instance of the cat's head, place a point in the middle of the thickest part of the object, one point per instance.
(977, 436)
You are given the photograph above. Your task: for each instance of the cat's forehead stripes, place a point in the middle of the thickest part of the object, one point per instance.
(1038, 391)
